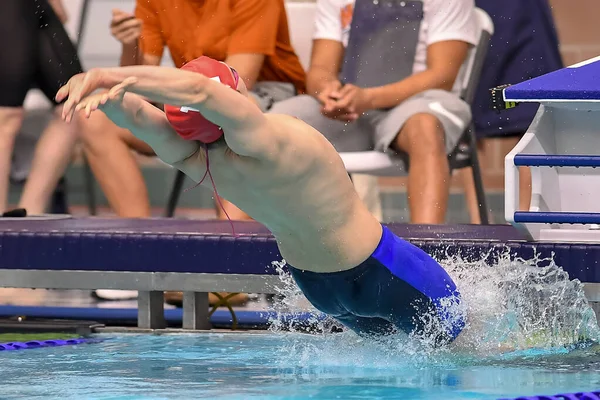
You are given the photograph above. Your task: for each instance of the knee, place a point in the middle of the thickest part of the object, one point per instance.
(97, 133)
(11, 120)
(422, 134)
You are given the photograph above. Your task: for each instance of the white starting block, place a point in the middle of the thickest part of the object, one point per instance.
(562, 149)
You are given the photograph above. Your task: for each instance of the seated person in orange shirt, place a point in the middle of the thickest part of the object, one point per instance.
(249, 35)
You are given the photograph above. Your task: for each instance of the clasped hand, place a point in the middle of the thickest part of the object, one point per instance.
(345, 103)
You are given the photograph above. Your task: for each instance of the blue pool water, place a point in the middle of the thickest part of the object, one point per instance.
(285, 366)
(525, 326)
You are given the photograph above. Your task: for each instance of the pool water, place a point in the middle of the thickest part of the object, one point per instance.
(530, 331)
(285, 366)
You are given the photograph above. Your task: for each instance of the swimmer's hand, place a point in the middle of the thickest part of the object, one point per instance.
(114, 97)
(77, 88)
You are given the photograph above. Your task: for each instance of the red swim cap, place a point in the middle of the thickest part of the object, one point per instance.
(188, 122)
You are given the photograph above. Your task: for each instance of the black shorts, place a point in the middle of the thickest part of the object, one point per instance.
(35, 51)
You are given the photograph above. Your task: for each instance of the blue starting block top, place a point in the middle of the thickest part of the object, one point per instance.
(579, 82)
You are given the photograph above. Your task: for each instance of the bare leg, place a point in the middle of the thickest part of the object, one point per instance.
(53, 153)
(471, 198)
(469, 188)
(466, 178)
(108, 150)
(11, 119)
(234, 213)
(422, 138)
(524, 188)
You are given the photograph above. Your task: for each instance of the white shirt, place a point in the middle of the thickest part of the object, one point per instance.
(442, 20)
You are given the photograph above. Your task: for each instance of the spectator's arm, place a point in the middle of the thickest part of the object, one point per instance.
(248, 66)
(325, 62)
(452, 30)
(148, 49)
(59, 10)
(130, 55)
(149, 59)
(328, 50)
(254, 36)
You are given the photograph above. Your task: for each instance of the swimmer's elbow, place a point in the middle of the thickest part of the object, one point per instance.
(199, 89)
(134, 114)
(190, 91)
(261, 141)
(137, 114)
(181, 155)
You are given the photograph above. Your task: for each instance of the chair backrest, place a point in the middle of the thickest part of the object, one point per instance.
(465, 153)
(471, 69)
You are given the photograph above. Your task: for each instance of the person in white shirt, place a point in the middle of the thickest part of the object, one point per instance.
(384, 75)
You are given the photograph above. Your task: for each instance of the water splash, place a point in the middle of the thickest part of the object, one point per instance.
(290, 304)
(516, 304)
(513, 307)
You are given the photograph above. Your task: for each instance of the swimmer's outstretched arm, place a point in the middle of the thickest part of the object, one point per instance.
(246, 129)
(148, 123)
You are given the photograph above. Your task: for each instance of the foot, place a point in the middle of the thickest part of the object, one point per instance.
(105, 294)
(238, 299)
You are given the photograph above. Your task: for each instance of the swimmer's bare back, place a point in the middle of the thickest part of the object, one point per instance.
(302, 194)
(279, 170)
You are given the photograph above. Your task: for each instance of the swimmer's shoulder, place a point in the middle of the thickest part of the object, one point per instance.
(290, 123)
(283, 118)
(295, 132)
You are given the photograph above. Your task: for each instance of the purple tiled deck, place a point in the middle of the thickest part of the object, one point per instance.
(173, 245)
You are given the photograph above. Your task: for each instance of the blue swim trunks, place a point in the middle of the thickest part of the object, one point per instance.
(399, 287)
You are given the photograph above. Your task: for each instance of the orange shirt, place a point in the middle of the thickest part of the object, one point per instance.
(218, 28)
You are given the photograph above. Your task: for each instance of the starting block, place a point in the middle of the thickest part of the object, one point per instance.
(562, 149)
